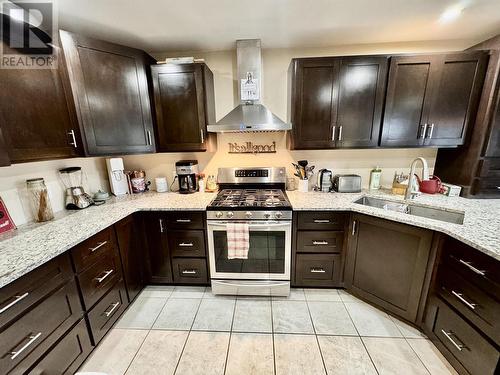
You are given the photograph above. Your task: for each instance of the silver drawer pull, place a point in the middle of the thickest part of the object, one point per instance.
(25, 346)
(188, 272)
(320, 242)
(101, 244)
(73, 138)
(317, 270)
(112, 309)
(448, 335)
(18, 299)
(461, 298)
(321, 221)
(102, 278)
(472, 268)
(186, 244)
(183, 220)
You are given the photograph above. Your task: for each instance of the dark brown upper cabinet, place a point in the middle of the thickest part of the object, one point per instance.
(493, 141)
(37, 114)
(184, 105)
(432, 99)
(337, 102)
(4, 155)
(110, 88)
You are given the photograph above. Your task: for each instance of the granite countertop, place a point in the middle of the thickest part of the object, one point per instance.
(32, 245)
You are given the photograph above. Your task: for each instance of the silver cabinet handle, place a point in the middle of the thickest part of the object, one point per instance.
(498, 187)
(460, 346)
(472, 268)
(317, 270)
(320, 242)
(150, 140)
(102, 278)
(423, 132)
(101, 244)
(73, 138)
(333, 132)
(340, 132)
(202, 136)
(354, 224)
(188, 272)
(431, 130)
(17, 300)
(463, 300)
(320, 221)
(183, 220)
(186, 244)
(112, 309)
(25, 346)
(161, 225)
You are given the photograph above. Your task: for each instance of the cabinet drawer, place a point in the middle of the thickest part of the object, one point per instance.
(190, 271)
(30, 336)
(185, 220)
(98, 279)
(477, 306)
(489, 167)
(476, 354)
(18, 296)
(487, 186)
(321, 220)
(107, 311)
(186, 243)
(473, 265)
(68, 354)
(87, 252)
(319, 242)
(317, 269)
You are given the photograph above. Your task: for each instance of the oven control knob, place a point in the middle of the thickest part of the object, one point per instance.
(248, 214)
(230, 214)
(267, 215)
(218, 214)
(278, 215)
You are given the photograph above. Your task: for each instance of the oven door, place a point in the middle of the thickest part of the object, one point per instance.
(269, 255)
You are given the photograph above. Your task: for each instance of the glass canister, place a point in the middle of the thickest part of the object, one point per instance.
(39, 199)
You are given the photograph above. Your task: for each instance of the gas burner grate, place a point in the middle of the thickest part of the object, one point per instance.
(250, 198)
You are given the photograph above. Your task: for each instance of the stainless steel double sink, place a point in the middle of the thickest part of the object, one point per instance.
(449, 216)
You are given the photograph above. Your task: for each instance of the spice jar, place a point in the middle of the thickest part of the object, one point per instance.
(39, 197)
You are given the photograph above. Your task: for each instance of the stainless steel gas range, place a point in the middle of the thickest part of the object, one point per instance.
(255, 196)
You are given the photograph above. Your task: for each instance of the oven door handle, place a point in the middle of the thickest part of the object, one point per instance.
(254, 224)
(284, 283)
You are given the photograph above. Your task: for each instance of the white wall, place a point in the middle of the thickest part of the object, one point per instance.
(223, 65)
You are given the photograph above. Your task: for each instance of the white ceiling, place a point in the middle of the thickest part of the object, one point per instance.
(182, 25)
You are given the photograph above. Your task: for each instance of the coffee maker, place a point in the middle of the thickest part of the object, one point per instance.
(187, 171)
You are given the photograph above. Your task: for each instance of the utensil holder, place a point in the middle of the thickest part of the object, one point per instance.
(304, 186)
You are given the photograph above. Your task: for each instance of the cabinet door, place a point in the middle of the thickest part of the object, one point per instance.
(180, 107)
(407, 100)
(361, 98)
(386, 264)
(455, 99)
(131, 254)
(4, 155)
(493, 147)
(314, 97)
(159, 268)
(109, 84)
(37, 120)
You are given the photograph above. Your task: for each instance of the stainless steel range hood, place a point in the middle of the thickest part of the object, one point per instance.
(250, 115)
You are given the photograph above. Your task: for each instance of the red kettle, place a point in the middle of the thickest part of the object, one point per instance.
(431, 186)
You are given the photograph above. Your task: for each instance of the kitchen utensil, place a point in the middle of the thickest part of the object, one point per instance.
(431, 186)
(347, 183)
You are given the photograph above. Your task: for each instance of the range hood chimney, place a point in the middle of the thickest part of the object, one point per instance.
(250, 115)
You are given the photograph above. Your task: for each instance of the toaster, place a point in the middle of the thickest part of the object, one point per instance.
(347, 183)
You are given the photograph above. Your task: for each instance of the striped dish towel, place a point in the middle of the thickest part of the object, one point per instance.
(237, 241)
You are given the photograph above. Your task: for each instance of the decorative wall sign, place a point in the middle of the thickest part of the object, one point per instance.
(6, 223)
(251, 148)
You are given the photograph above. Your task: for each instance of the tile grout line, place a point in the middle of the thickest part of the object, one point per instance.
(360, 338)
(272, 337)
(230, 335)
(315, 335)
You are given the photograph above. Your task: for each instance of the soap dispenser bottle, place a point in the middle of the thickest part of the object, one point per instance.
(375, 175)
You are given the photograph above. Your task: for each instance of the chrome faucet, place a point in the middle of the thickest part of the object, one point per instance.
(412, 189)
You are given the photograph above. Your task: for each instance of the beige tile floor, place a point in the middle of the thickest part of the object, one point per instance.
(187, 330)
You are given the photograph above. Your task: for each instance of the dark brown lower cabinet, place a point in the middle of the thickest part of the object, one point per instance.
(128, 234)
(68, 354)
(318, 269)
(387, 264)
(190, 270)
(158, 267)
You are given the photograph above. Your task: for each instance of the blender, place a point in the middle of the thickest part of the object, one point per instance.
(76, 197)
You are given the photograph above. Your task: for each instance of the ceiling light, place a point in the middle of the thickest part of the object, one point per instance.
(451, 13)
